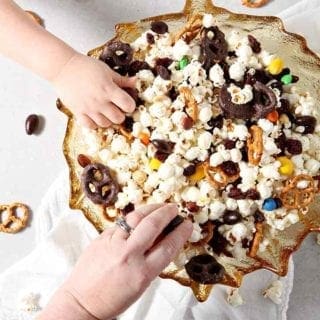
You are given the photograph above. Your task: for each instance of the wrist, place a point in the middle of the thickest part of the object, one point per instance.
(63, 305)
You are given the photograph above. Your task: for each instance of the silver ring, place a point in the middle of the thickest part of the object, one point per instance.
(122, 223)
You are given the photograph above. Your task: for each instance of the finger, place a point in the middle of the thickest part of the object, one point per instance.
(101, 120)
(87, 122)
(113, 113)
(134, 218)
(123, 82)
(122, 99)
(151, 227)
(166, 250)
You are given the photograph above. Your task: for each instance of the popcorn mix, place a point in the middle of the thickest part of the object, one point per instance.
(221, 128)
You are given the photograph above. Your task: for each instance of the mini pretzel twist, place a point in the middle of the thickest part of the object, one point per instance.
(191, 103)
(211, 172)
(10, 221)
(254, 3)
(191, 30)
(293, 197)
(256, 240)
(255, 145)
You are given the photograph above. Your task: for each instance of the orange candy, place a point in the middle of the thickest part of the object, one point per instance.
(273, 116)
(144, 138)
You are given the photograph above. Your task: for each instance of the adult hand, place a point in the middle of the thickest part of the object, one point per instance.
(117, 268)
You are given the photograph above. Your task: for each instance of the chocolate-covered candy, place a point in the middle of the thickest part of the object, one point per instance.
(189, 170)
(281, 142)
(163, 72)
(232, 110)
(216, 122)
(231, 217)
(252, 194)
(118, 55)
(265, 100)
(150, 38)
(229, 144)
(187, 123)
(294, 146)
(165, 62)
(205, 269)
(258, 75)
(230, 168)
(136, 66)
(128, 123)
(31, 124)
(83, 160)
(236, 193)
(173, 224)
(127, 209)
(159, 27)
(163, 145)
(98, 184)
(254, 44)
(133, 93)
(161, 156)
(192, 207)
(218, 243)
(308, 122)
(214, 47)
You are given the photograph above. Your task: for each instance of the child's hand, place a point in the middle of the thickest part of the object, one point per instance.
(117, 268)
(92, 91)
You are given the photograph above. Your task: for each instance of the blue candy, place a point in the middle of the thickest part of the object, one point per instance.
(270, 204)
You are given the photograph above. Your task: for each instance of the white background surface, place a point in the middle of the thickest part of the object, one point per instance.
(29, 164)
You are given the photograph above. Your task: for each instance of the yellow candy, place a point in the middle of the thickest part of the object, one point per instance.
(276, 66)
(287, 166)
(155, 164)
(198, 175)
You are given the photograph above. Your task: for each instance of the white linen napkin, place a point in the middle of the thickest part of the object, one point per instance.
(63, 234)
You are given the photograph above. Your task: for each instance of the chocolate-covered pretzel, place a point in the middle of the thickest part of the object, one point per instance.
(265, 100)
(98, 184)
(214, 47)
(232, 110)
(205, 269)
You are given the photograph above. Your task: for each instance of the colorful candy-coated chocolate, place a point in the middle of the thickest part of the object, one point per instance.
(287, 79)
(270, 204)
(287, 167)
(198, 175)
(276, 66)
(183, 63)
(155, 164)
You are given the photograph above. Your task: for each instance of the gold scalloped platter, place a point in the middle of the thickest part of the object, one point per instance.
(301, 60)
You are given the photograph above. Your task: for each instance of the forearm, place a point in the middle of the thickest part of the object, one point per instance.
(29, 44)
(63, 306)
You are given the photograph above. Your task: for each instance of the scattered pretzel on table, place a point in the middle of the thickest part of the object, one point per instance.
(254, 3)
(10, 222)
(293, 197)
(255, 145)
(191, 103)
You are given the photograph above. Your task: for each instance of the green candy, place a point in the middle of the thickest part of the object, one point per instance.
(286, 79)
(183, 63)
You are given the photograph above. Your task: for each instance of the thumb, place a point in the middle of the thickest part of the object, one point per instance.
(124, 82)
